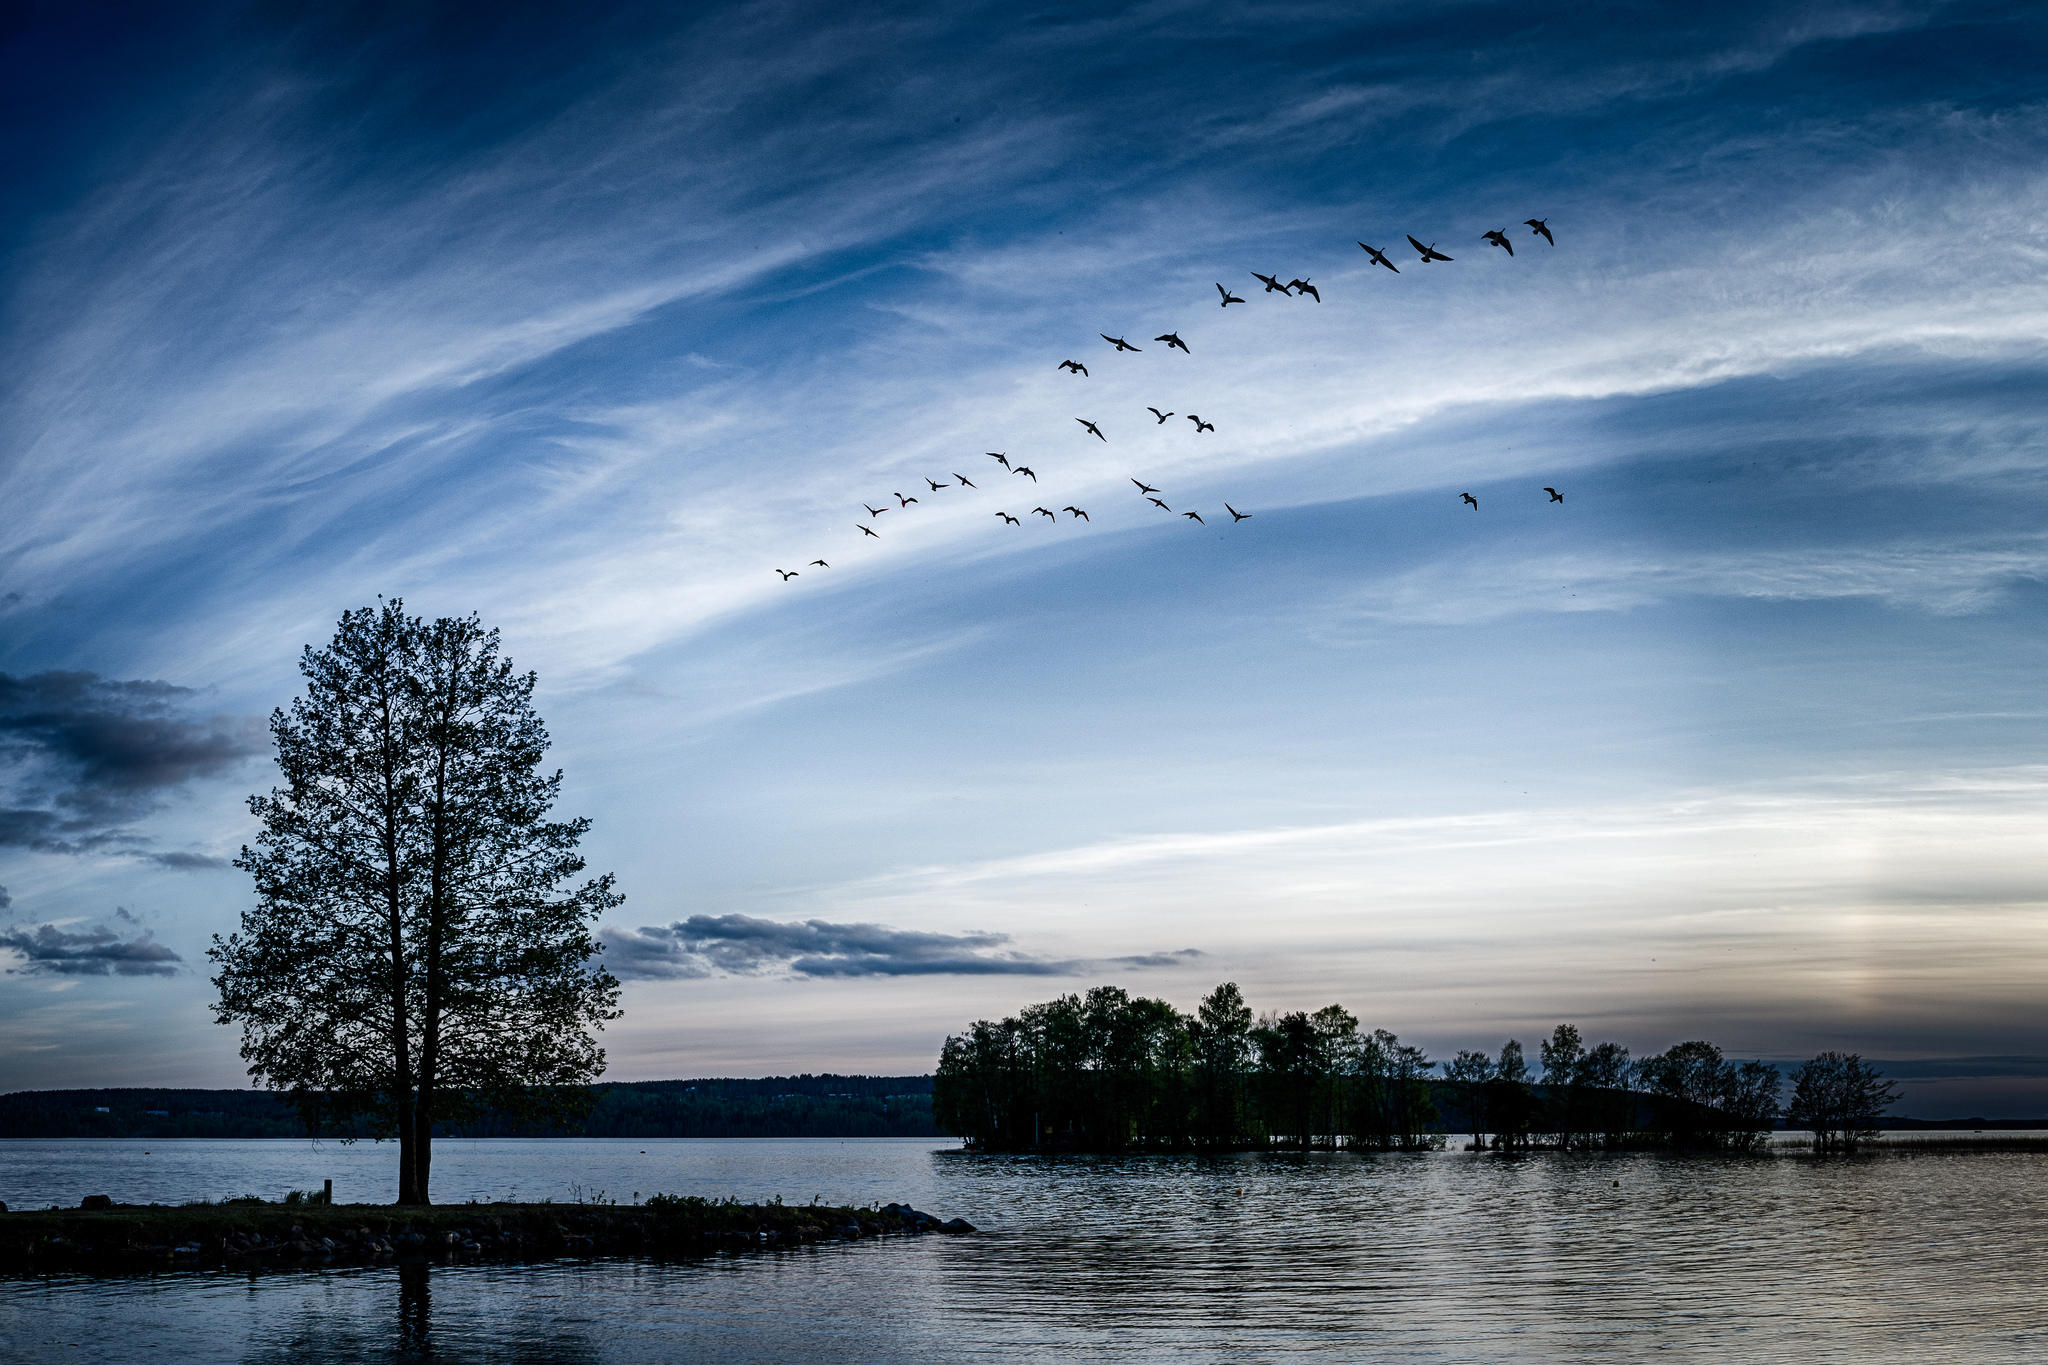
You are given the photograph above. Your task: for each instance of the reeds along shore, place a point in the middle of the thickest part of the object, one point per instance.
(252, 1235)
(1109, 1072)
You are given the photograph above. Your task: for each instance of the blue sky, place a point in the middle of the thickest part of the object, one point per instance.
(589, 324)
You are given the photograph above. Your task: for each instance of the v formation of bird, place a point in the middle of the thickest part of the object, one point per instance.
(1299, 287)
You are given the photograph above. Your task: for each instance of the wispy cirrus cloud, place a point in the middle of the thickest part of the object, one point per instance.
(742, 945)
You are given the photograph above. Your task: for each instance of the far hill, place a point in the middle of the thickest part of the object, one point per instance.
(710, 1107)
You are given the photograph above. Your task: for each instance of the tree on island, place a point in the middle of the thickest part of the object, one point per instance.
(1840, 1097)
(417, 951)
(1472, 1073)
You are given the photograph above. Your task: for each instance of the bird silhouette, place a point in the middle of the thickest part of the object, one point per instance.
(1162, 416)
(1093, 430)
(821, 563)
(935, 487)
(1379, 257)
(1555, 496)
(1200, 425)
(1235, 515)
(787, 574)
(1146, 487)
(1272, 283)
(1076, 511)
(1000, 457)
(902, 502)
(1007, 517)
(1044, 513)
(965, 482)
(1118, 342)
(1429, 253)
(1499, 239)
(1074, 365)
(1195, 517)
(1160, 505)
(1540, 227)
(1172, 340)
(1467, 497)
(1026, 471)
(1228, 297)
(1304, 287)
(875, 511)
(866, 530)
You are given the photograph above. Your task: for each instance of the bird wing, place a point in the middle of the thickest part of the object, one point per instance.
(1417, 245)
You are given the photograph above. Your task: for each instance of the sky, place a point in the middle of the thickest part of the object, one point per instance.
(590, 319)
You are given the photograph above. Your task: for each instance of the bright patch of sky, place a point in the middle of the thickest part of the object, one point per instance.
(591, 324)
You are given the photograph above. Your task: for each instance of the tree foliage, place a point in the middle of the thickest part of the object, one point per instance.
(418, 949)
(1840, 1097)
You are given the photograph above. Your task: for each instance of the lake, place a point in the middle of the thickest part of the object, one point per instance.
(1448, 1256)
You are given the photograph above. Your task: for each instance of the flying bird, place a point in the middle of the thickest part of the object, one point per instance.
(821, 563)
(1304, 287)
(1162, 416)
(1555, 496)
(1195, 517)
(964, 481)
(902, 501)
(1027, 471)
(1044, 513)
(1160, 505)
(787, 574)
(1467, 497)
(1007, 517)
(1499, 239)
(1272, 283)
(1172, 340)
(867, 530)
(1093, 430)
(1076, 366)
(1235, 515)
(1001, 457)
(1379, 257)
(1119, 342)
(1540, 227)
(1228, 297)
(875, 511)
(1146, 487)
(935, 487)
(1076, 511)
(1200, 425)
(1429, 253)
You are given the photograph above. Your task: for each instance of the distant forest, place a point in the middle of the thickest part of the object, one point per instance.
(1110, 1071)
(773, 1106)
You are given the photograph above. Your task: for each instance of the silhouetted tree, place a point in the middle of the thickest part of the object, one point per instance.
(414, 953)
(1222, 1038)
(1472, 1072)
(1290, 1070)
(1709, 1101)
(1606, 1079)
(1840, 1097)
(1336, 1032)
(1564, 1053)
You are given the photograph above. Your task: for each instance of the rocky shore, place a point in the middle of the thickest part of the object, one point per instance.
(108, 1238)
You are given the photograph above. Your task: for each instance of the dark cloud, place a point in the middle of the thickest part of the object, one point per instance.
(98, 951)
(5, 899)
(741, 945)
(82, 757)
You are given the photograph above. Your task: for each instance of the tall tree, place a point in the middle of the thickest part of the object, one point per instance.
(418, 949)
(1840, 1097)
(1564, 1053)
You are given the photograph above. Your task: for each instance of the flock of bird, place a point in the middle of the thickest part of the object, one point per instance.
(1299, 287)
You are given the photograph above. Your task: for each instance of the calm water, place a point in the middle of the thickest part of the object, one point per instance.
(1444, 1257)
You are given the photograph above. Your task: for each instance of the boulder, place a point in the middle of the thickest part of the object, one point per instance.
(956, 1225)
(97, 1201)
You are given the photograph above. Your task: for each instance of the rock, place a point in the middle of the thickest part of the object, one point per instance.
(956, 1225)
(97, 1201)
(3, 1206)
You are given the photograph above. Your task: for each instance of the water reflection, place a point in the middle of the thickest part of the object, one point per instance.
(1450, 1256)
(388, 1314)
